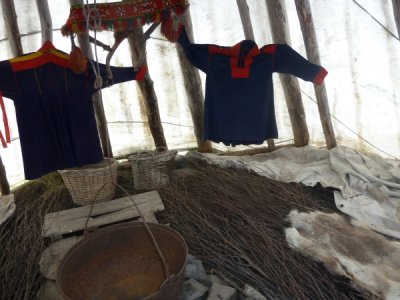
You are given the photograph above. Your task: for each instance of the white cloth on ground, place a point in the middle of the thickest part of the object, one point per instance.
(368, 187)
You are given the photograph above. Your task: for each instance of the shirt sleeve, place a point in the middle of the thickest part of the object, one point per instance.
(8, 86)
(120, 74)
(197, 54)
(287, 60)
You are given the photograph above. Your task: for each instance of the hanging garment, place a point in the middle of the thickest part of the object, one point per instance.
(239, 100)
(54, 109)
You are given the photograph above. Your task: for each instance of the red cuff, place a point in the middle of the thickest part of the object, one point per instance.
(141, 73)
(319, 79)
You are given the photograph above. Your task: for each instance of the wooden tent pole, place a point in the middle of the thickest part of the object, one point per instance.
(310, 40)
(84, 44)
(45, 20)
(194, 92)
(246, 20)
(249, 35)
(14, 38)
(4, 185)
(396, 11)
(138, 50)
(280, 33)
(11, 24)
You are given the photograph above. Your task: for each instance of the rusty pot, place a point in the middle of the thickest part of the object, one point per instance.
(121, 262)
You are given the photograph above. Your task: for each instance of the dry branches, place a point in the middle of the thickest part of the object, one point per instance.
(233, 221)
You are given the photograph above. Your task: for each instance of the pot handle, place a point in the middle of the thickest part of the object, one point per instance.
(91, 229)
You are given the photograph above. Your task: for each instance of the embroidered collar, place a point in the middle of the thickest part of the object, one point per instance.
(241, 56)
(246, 48)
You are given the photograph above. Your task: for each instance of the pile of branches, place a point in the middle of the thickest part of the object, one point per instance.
(234, 222)
(21, 243)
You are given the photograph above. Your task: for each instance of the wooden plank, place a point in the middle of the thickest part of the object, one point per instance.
(310, 40)
(280, 32)
(150, 217)
(74, 219)
(106, 207)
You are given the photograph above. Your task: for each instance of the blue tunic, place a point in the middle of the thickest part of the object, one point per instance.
(239, 99)
(54, 110)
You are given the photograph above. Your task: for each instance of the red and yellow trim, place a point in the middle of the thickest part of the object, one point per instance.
(46, 54)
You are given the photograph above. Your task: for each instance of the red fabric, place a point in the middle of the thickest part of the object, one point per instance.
(269, 49)
(5, 121)
(234, 51)
(120, 16)
(168, 30)
(141, 73)
(319, 79)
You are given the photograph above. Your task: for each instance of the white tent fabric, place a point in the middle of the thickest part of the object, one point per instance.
(349, 249)
(361, 57)
(368, 187)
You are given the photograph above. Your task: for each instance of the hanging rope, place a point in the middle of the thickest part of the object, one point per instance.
(92, 15)
(376, 20)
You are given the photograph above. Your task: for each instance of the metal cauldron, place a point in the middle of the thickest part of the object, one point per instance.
(121, 262)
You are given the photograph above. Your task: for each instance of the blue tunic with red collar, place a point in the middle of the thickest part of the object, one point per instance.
(239, 99)
(54, 109)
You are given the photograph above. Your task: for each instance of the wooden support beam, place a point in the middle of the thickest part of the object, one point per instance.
(11, 24)
(249, 35)
(138, 50)
(254, 151)
(396, 12)
(194, 91)
(280, 33)
(45, 20)
(310, 40)
(14, 38)
(4, 185)
(83, 40)
(246, 20)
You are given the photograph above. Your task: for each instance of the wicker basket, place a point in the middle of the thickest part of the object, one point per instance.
(151, 169)
(91, 183)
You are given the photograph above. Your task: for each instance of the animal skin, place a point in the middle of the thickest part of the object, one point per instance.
(350, 249)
